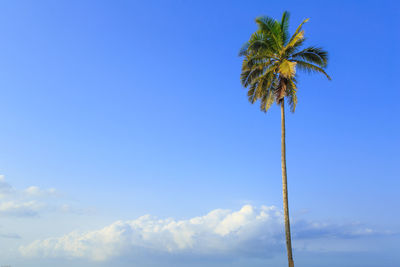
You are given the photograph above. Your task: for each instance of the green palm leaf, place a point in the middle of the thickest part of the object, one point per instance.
(310, 68)
(315, 55)
(271, 59)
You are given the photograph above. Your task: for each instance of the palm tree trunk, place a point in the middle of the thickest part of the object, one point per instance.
(284, 188)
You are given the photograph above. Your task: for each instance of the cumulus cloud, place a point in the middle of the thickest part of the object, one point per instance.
(249, 231)
(7, 191)
(22, 209)
(27, 202)
(36, 191)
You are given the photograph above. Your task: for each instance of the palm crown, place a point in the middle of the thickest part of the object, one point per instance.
(271, 57)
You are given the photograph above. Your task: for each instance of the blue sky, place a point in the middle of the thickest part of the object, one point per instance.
(112, 110)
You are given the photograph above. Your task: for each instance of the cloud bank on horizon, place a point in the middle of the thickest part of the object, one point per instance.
(250, 231)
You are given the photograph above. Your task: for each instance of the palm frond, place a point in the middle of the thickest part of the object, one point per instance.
(244, 49)
(257, 62)
(255, 67)
(291, 91)
(261, 85)
(267, 100)
(295, 41)
(285, 27)
(272, 29)
(308, 67)
(314, 55)
(249, 75)
(259, 42)
(287, 68)
(292, 101)
(296, 34)
(251, 93)
(294, 48)
(299, 27)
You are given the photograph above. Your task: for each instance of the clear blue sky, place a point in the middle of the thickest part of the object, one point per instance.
(129, 108)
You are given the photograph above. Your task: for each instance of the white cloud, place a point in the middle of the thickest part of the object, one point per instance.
(7, 191)
(248, 231)
(36, 191)
(22, 209)
(28, 202)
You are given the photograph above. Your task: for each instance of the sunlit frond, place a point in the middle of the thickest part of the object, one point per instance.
(298, 30)
(287, 68)
(295, 40)
(289, 50)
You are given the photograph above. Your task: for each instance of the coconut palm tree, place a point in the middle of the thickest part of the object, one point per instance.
(270, 60)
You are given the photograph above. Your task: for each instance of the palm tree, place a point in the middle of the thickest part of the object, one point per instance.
(270, 60)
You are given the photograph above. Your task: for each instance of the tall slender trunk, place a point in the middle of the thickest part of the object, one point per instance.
(284, 188)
